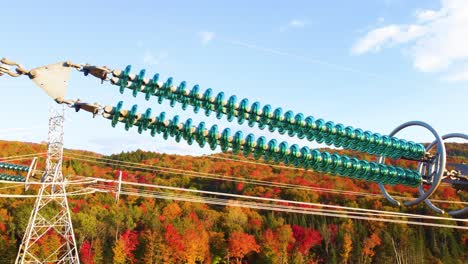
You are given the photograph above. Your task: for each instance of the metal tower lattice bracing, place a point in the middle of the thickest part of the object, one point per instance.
(50, 218)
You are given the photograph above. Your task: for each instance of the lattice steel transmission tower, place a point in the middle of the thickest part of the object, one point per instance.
(50, 218)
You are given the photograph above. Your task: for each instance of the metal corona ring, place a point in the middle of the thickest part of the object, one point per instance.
(431, 177)
(428, 202)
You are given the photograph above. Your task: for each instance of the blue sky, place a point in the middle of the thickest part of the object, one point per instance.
(369, 64)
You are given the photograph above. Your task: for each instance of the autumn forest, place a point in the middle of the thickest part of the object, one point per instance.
(147, 230)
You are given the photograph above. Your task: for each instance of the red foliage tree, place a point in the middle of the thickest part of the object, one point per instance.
(306, 238)
(131, 242)
(174, 241)
(240, 186)
(86, 254)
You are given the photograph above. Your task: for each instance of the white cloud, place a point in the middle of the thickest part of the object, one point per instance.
(457, 76)
(294, 23)
(428, 15)
(392, 34)
(436, 41)
(151, 59)
(206, 37)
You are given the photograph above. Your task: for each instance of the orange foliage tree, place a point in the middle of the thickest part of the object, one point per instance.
(240, 244)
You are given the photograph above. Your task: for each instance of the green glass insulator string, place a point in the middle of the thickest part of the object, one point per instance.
(6, 177)
(261, 148)
(297, 125)
(9, 166)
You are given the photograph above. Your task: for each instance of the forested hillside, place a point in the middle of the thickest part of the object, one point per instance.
(147, 230)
